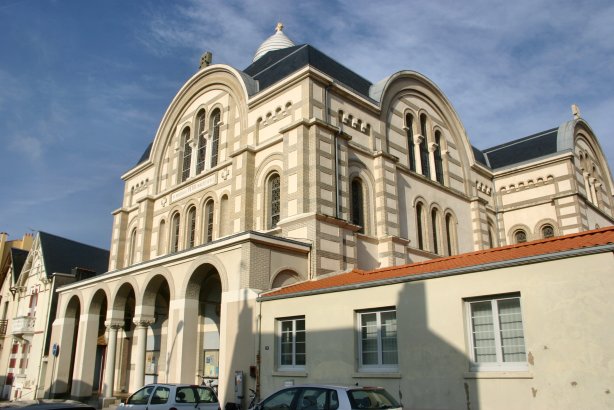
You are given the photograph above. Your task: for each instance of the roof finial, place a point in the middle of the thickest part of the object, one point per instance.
(279, 26)
(575, 110)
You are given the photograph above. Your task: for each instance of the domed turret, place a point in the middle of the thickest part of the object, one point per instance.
(276, 42)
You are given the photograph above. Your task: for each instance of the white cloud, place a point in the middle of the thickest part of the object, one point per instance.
(28, 146)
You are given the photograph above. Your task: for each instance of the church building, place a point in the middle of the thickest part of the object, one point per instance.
(293, 170)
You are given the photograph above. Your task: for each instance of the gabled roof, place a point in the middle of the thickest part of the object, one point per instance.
(61, 255)
(18, 256)
(278, 64)
(523, 149)
(464, 263)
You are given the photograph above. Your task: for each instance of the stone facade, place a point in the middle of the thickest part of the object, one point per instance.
(248, 187)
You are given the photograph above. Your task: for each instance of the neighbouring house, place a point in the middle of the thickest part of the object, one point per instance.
(35, 275)
(13, 254)
(297, 169)
(516, 327)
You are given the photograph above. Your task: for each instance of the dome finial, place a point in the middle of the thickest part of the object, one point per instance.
(277, 41)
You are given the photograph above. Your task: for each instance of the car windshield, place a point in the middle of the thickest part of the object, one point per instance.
(371, 399)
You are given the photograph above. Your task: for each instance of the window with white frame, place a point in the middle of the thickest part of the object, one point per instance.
(377, 340)
(496, 333)
(291, 343)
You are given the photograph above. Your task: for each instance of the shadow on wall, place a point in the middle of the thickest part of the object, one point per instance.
(431, 370)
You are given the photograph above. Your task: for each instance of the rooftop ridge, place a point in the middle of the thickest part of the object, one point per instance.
(501, 254)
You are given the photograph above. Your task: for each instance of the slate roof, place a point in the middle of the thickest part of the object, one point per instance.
(18, 256)
(276, 65)
(473, 261)
(523, 149)
(145, 155)
(61, 255)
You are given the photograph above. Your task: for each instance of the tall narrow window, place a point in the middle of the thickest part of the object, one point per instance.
(450, 230)
(274, 200)
(358, 204)
(202, 142)
(491, 235)
(191, 227)
(209, 221)
(496, 334)
(187, 155)
(215, 136)
(424, 150)
(33, 303)
(419, 226)
(291, 348)
(438, 159)
(378, 340)
(435, 224)
(162, 237)
(411, 147)
(175, 233)
(132, 249)
(224, 216)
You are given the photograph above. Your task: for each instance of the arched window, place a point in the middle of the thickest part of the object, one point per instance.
(438, 159)
(274, 196)
(547, 231)
(285, 278)
(357, 211)
(202, 142)
(424, 150)
(520, 236)
(175, 233)
(435, 224)
(191, 227)
(162, 237)
(419, 225)
(132, 250)
(450, 235)
(491, 235)
(208, 228)
(215, 136)
(187, 155)
(411, 147)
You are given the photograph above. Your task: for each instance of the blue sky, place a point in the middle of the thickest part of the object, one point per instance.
(84, 84)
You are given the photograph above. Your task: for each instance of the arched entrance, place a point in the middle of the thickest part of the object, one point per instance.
(204, 295)
(156, 302)
(124, 305)
(98, 308)
(63, 363)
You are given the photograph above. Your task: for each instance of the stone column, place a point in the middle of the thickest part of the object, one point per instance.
(141, 345)
(109, 366)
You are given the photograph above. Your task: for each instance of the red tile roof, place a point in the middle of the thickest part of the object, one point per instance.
(578, 241)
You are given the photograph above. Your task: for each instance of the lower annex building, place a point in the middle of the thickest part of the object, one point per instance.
(297, 169)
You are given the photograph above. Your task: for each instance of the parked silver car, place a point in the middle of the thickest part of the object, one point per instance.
(325, 397)
(172, 396)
